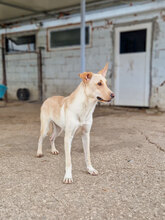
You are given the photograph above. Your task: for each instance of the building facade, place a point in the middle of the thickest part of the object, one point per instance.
(130, 38)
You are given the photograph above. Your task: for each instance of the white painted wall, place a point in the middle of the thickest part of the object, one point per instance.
(22, 72)
(61, 68)
(158, 63)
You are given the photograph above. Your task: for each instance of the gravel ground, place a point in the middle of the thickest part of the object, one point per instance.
(127, 148)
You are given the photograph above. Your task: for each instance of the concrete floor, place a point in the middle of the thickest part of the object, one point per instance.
(127, 148)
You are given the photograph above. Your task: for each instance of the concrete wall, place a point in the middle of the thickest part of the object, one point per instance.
(158, 63)
(61, 67)
(22, 72)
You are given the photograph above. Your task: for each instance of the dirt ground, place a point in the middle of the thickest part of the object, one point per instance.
(127, 148)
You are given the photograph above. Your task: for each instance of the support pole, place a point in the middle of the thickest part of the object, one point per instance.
(82, 35)
(4, 71)
(40, 78)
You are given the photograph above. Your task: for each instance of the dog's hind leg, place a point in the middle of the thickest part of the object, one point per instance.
(44, 130)
(56, 132)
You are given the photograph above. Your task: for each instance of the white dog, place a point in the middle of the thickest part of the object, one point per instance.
(73, 112)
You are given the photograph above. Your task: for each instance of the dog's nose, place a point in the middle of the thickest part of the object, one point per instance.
(112, 95)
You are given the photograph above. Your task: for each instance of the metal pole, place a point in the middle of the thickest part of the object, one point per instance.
(40, 79)
(82, 35)
(4, 71)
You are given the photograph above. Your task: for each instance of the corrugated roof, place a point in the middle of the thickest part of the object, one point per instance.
(19, 9)
(13, 11)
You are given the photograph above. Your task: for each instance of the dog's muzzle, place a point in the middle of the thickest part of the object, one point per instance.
(103, 100)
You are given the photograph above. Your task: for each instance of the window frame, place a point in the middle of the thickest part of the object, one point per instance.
(67, 27)
(137, 51)
(22, 33)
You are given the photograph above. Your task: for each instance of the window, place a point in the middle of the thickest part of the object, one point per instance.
(67, 37)
(133, 41)
(25, 43)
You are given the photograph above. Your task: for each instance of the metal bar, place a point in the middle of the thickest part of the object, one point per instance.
(17, 6)
(82, 35)
(4, 80)
(40, 78)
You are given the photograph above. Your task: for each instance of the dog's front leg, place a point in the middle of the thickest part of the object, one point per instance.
(68, 165)
(86, 147)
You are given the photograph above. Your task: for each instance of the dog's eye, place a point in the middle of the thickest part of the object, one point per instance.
(99, 84)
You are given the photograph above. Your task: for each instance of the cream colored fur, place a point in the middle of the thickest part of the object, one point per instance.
(72, 113)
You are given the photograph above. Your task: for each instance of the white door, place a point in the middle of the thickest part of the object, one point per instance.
(132, 65)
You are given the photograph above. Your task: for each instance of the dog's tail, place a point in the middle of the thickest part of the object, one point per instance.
(45, 121)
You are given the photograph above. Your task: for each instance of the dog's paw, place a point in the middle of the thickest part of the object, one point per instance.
(39, 154)
(92, 171)
(55, 152)
(67, 180)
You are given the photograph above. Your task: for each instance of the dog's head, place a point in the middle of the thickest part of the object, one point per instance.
(96, 85)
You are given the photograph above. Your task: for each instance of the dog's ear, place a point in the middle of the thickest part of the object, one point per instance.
(104, 70)
(86, 76)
